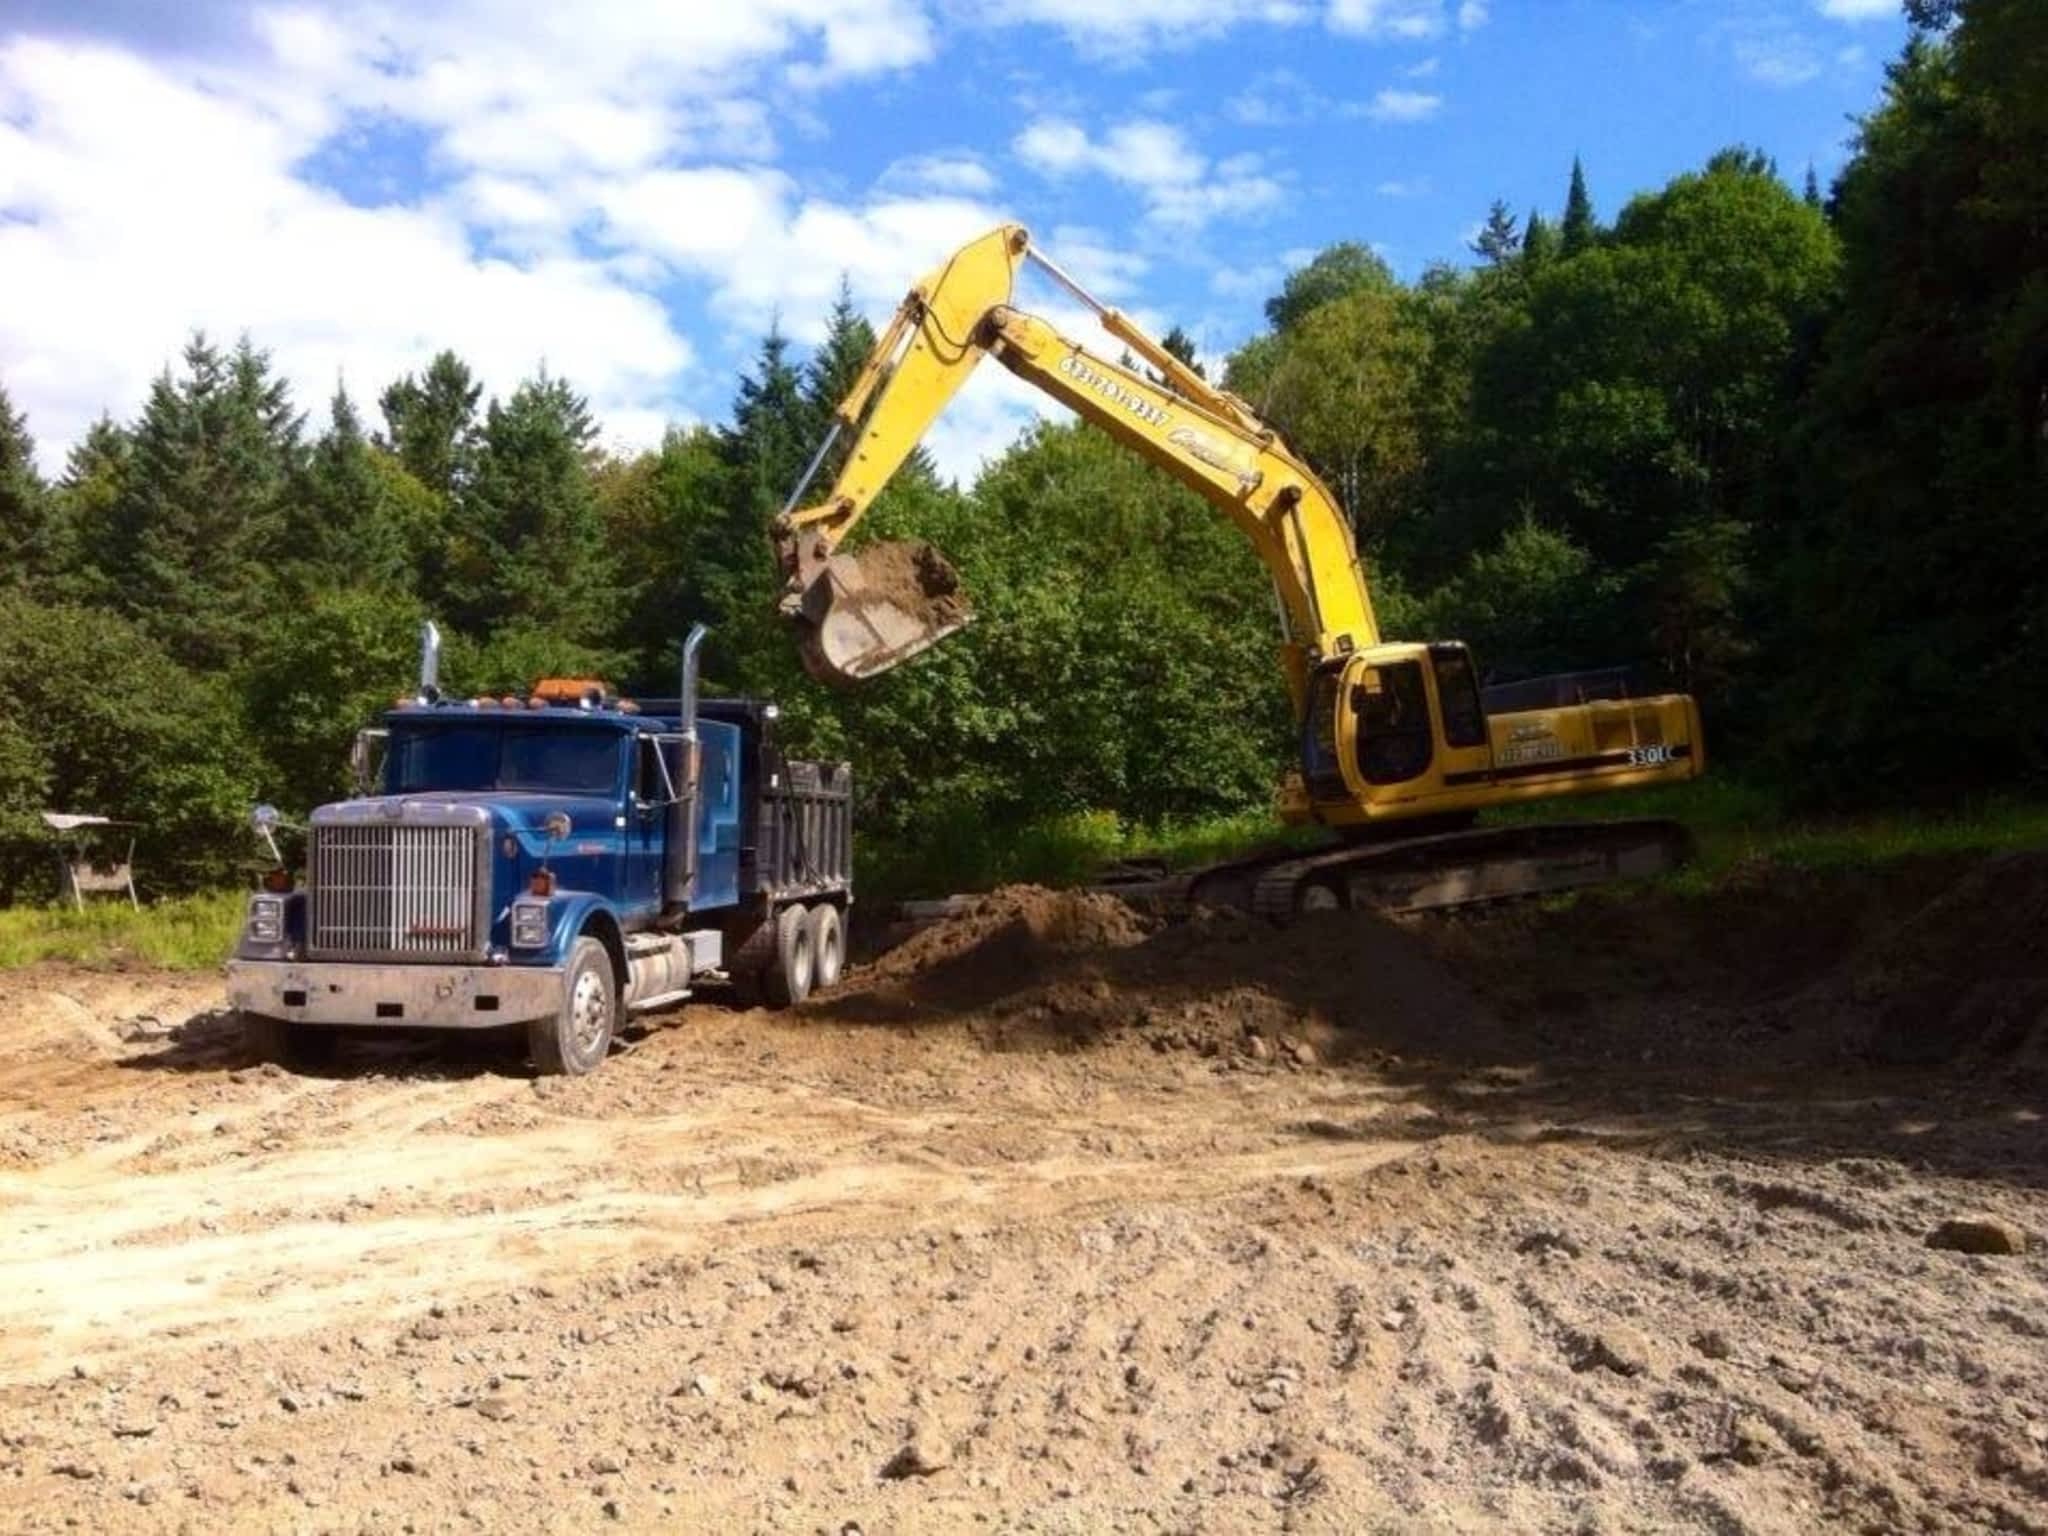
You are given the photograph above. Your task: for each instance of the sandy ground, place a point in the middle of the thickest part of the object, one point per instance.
(1610, 1219)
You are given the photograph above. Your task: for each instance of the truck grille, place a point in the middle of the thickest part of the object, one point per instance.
(407, 891)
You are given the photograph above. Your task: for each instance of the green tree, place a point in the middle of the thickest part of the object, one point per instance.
(430, 423)
(660, 509)
(1540, 244)
(30, 538)
(1914, 576)
(1345, 393)
(530, 549)
(103, 720)
(1335, 272)
(1579, 229)
(197, 527)
(1533, 603)
(1498, 239)
(339, 662)
(349, 526)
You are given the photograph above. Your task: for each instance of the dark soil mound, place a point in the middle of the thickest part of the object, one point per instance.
(1031, 968)
(1964, 977)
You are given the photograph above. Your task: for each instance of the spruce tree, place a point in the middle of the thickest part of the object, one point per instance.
(28, 555)
(1539, 242)
(430, 423)
(531, 552)
(1579, 229)
(88, 495)
(1811, 193)
(197, 531)
(348, 532)
(1498, 240)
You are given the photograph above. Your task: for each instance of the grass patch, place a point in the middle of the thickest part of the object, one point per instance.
(1738, 824)
(186, 933)
(1733, 823)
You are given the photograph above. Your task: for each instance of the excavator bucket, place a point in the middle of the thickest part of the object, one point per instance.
(861, 614)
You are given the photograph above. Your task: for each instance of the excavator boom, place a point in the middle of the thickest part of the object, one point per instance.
(1394, 735)
(859, 615)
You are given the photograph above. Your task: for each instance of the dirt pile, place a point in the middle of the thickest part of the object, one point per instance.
(911, 575)
(1028, 968)
(1965, 977)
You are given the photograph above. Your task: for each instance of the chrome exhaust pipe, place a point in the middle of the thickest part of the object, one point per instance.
(430, 662)
(679, 855)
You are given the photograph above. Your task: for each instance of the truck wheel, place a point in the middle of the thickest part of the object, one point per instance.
(791, 971)
(828, 944)
(573, 1039)
(286, 1043)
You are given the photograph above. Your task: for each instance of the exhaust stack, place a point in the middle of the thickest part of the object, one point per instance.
(430, 662)
(679, 862)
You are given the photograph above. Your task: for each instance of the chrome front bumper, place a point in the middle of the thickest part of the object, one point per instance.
(395, 996)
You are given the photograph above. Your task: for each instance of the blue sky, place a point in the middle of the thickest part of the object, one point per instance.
(630, 191)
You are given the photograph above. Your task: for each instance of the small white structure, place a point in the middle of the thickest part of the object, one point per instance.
(84, 856)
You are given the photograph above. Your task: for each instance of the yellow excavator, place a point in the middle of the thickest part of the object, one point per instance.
(1400, 747)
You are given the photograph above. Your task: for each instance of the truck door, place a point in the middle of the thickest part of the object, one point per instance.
(646, 817)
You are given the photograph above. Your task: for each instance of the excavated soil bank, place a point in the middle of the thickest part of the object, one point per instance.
(1625, 1215)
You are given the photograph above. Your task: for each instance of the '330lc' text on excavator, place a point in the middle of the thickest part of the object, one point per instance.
(1400, 747)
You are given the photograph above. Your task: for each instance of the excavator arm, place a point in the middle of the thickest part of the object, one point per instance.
(859, 615)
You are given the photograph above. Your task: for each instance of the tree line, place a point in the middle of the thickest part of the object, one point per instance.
(1780, 447)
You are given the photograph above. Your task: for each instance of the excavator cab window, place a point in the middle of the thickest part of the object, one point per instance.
(1395, 742)
(1457, 692)
(1321, 766)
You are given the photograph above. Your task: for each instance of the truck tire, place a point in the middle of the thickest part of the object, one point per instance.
(574, 1038)
(790, 973)
(285, 1043)
(828, 944)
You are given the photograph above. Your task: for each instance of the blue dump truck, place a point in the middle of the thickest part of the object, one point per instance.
(553, 861)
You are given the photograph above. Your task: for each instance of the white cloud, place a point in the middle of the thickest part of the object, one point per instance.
(1414, 186)
(1777, 58)
(1857, 10)
(1402, 19)
(1128, 28)
(1182, 189)
(959, 172)
(1472, 15)
(1423, 71)
(1404, 106)
(139, 207)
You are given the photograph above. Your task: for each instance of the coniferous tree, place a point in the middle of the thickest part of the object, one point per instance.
(1811, 192)
(197, 528)
(1498, 239)
(430, 423)
(87, 494)
(348, 532)
(530, 553)
(1579, 228)
(28, 530)
(1539, 243)
(1182, 346)
(765, 450)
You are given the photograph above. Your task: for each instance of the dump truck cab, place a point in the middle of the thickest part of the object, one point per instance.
(555, 859)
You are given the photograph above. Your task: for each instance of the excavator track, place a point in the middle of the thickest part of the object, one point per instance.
(1434, 873)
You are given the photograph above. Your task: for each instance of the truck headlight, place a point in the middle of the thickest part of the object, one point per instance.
(529, 924)
(266, 919)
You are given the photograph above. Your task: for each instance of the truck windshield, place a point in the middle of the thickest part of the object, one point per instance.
(502, 757)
